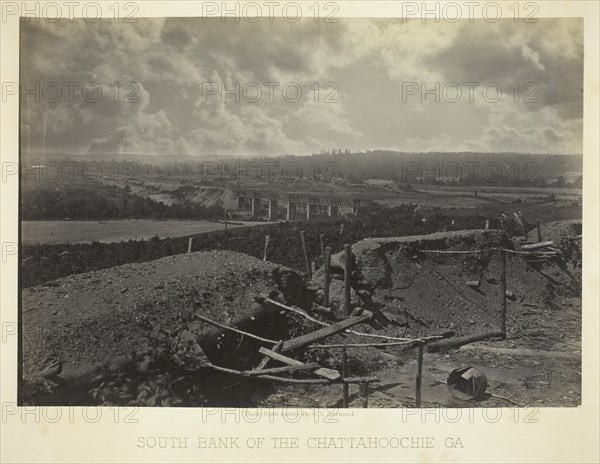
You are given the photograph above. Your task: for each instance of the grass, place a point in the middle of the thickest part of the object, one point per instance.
(51, 232)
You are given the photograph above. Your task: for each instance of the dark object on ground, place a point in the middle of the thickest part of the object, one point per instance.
(467, 383)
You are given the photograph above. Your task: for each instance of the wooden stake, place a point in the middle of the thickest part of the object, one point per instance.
(313, 267)
(305, 252)
(487, 223)
(225, 222)
(322, 242)
(539, 231)
(327, 277)
(419, 376)
(364, 393)
(345, 374)
(503, 293)
(190, 243)
(347, 276)
(267, 243)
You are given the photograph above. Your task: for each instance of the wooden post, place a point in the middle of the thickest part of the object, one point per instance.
(364, 393)
(225, 222)
(347, 275)
(313, 267)
(345, 374)
(305, 252)
(267, 243)
(539, 231)
(347, 296)
(503, 293)
(190, 243)
(327, 277)
(487, 223)
(322, 241)
(419, 376)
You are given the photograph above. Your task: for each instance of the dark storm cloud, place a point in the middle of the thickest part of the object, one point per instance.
(170, 59)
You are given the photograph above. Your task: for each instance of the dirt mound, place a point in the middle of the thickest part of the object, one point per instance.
(431, 289)
(557, 231)
(212, 196)
(93, 317)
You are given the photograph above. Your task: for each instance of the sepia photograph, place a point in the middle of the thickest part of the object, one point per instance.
(261, 207)
(366, 213)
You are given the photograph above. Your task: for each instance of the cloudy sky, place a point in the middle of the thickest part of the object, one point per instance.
(172, 73)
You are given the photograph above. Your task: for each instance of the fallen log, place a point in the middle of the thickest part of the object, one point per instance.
(523, 352)
(535, 246)
(320, 334)
(324, 324)
(330, 374)
(459, 341)
(277, 370)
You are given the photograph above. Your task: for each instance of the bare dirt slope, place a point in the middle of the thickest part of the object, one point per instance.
(538, 364)
(93, 317)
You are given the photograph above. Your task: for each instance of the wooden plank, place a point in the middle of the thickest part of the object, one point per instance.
(279, 357)
(330, 374)
(266, 359)
(535, 246)
(320, 334)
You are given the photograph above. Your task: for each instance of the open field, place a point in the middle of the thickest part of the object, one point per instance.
(48, 232)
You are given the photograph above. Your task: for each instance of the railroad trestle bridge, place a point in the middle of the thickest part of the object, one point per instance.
(309, 204)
